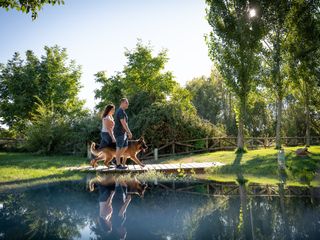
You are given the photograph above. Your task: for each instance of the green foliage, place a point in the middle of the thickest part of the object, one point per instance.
(145, 73)
(159, 108)
(234, 45)
(48, 131)
(26, 6)
(168, 121)
(259, 118)
(213, 101)
(52, 132)
(110, 91)
(51, 79)
(143, 80)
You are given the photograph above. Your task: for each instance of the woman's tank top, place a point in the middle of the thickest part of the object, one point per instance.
(108, 118)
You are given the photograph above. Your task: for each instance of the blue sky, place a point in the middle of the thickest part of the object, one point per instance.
(96, 33)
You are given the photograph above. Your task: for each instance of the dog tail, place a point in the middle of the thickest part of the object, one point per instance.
(91, 185)
(93, 149)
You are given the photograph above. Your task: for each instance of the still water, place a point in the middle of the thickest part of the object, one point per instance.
(118, 210)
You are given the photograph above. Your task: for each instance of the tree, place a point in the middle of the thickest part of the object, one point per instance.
(303, 43)
(142, 80)
(159, 108)
(26, 6)
(274, 15)
(234, 45)
(51, 79)
(214, 101)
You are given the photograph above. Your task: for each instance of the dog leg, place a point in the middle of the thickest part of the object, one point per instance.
(94, 162)
(107, 161)
(124, 161)
(137, 161)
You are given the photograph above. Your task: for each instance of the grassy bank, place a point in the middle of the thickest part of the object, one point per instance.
(258, 166)
(19, 170)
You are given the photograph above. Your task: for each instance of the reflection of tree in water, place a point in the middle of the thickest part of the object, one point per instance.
(45, 214)
(248, 217)
(192, 220)
(61, 212)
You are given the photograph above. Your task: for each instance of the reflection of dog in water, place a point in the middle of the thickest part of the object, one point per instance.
(114, 197)
(108, 153)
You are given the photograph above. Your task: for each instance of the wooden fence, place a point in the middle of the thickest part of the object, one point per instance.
(10, 143)
(171, 148)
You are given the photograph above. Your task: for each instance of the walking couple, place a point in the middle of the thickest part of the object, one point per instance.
(116, 130)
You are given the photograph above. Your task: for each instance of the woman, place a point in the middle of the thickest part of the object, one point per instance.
(107, 136)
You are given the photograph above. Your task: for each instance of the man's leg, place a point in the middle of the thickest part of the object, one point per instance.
(118, 155)
(121, 147)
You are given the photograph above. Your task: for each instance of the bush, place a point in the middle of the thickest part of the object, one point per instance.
(50, 132)
(167, 121)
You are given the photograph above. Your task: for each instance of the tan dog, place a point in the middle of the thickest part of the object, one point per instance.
(108, 153)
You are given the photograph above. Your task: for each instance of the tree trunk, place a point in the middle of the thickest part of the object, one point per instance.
(279, 87)
(240, 138)
(307, 122)
(279, 118)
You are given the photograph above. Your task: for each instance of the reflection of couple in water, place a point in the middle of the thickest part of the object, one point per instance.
(114, 197)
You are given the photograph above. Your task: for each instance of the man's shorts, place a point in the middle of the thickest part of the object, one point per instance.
(122, 141)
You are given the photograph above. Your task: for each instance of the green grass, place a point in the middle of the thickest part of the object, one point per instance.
(259, 166)
(18, 170)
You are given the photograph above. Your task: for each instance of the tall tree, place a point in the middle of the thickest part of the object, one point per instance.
(143, 80)
(234, 46)
(52, 79)
(213, 100)
(159, 108)
(274, 15)
(303, 43)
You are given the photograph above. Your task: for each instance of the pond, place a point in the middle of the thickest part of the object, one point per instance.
(128, 209)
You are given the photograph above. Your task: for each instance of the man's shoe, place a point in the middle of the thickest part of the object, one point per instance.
(120, 167)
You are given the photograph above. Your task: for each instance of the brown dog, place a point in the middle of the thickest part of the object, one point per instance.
(108, 153)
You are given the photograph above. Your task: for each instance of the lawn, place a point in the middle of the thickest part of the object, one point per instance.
(23, 170)
(259, 166)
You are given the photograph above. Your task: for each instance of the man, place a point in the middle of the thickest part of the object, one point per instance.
(121, 131)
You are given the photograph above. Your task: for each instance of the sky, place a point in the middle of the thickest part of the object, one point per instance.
(97, 32)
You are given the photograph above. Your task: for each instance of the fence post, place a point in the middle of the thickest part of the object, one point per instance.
(88, 151)
(173, 148)
(155, 153)
(207, 143)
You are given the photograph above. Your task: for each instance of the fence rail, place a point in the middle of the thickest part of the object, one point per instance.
(174, 147)
(171, 148)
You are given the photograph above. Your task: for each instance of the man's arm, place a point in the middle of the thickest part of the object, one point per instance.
(126, 128)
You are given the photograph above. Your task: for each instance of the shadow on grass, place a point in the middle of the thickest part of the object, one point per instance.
(300, 169)
(303, 169)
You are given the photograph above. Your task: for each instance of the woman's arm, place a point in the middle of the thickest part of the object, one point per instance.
(106, 207)
(124, 206)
